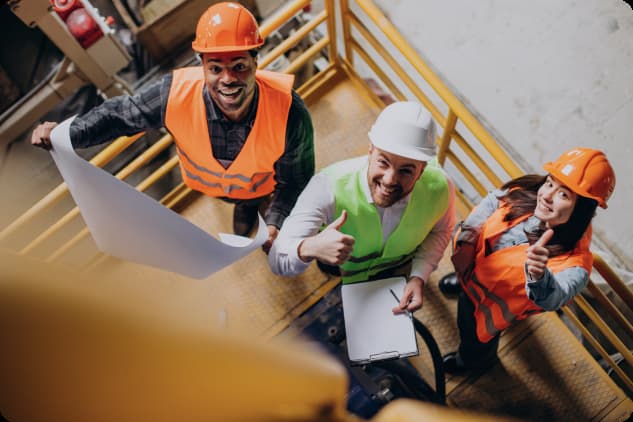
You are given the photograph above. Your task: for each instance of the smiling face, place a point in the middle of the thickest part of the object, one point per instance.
(555, 202)
(230, 79)
(390, 176)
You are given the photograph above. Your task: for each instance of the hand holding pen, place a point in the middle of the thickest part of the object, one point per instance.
(411, 298)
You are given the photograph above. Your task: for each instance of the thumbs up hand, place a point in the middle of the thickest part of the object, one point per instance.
(330, 246)
(538, 255)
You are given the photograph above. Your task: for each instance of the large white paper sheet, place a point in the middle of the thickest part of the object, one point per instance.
(373, 331)
(130, 225)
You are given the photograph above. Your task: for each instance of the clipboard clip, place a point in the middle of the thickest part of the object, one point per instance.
(384, 356)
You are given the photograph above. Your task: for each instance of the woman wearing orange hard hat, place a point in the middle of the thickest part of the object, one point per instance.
(524, 250)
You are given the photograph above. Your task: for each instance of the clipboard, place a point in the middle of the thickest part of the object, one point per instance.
(373, 332)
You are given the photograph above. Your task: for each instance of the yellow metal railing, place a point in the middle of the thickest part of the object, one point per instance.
(57, 194)
(465, 143)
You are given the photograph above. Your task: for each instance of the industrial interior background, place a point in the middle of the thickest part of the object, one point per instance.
(543, 77)
(546, 76)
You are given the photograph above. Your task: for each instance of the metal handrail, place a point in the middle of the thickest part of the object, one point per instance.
(613, 280)
(282, 16)
(293, 39)
(604, 328)
(460, 110)
(136, 164)
(57, 194)
(598, 347)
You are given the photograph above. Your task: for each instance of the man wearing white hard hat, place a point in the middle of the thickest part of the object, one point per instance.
(388, 213)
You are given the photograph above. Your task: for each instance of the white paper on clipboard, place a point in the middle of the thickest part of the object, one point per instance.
(130, 225)
(373, 331)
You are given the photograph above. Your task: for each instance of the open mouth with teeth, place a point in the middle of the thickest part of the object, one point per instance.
(230, 91)
(544, 207)
(387, 192)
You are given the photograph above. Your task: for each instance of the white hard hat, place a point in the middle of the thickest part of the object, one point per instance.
(405, 128)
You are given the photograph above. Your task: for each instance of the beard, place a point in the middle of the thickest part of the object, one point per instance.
(385, 196)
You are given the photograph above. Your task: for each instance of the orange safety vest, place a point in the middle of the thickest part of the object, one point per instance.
(497, 284)
(251, 174)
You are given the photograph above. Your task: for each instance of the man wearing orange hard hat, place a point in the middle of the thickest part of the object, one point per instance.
(242, 135)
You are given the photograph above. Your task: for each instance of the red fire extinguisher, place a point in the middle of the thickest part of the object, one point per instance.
(79, 21)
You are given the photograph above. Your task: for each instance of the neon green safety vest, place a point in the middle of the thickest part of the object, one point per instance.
(426, 206)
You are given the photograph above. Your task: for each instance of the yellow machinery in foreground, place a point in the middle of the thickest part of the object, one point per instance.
(545, 371)
(91, 348)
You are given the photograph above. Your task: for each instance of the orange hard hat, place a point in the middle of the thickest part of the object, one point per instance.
(585, 171)
(226, 27)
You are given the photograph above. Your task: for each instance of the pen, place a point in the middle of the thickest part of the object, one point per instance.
(398, 300)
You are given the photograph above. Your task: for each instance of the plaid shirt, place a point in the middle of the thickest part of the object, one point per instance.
(127, 115)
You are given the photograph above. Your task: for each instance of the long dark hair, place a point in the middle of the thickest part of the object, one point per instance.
(521, 200)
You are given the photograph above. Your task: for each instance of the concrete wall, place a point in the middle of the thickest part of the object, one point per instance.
(547, 76)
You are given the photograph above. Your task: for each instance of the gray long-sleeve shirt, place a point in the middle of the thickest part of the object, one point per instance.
(127, 115)
(551, 291)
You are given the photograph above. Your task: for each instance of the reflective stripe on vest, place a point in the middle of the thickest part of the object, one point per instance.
(251, 174)
(375, 268)
(251, 184)
(497, 284)
(426, 206)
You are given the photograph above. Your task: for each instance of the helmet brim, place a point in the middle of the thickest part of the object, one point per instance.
(551, 168)
(225, 49)
(409, 152)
